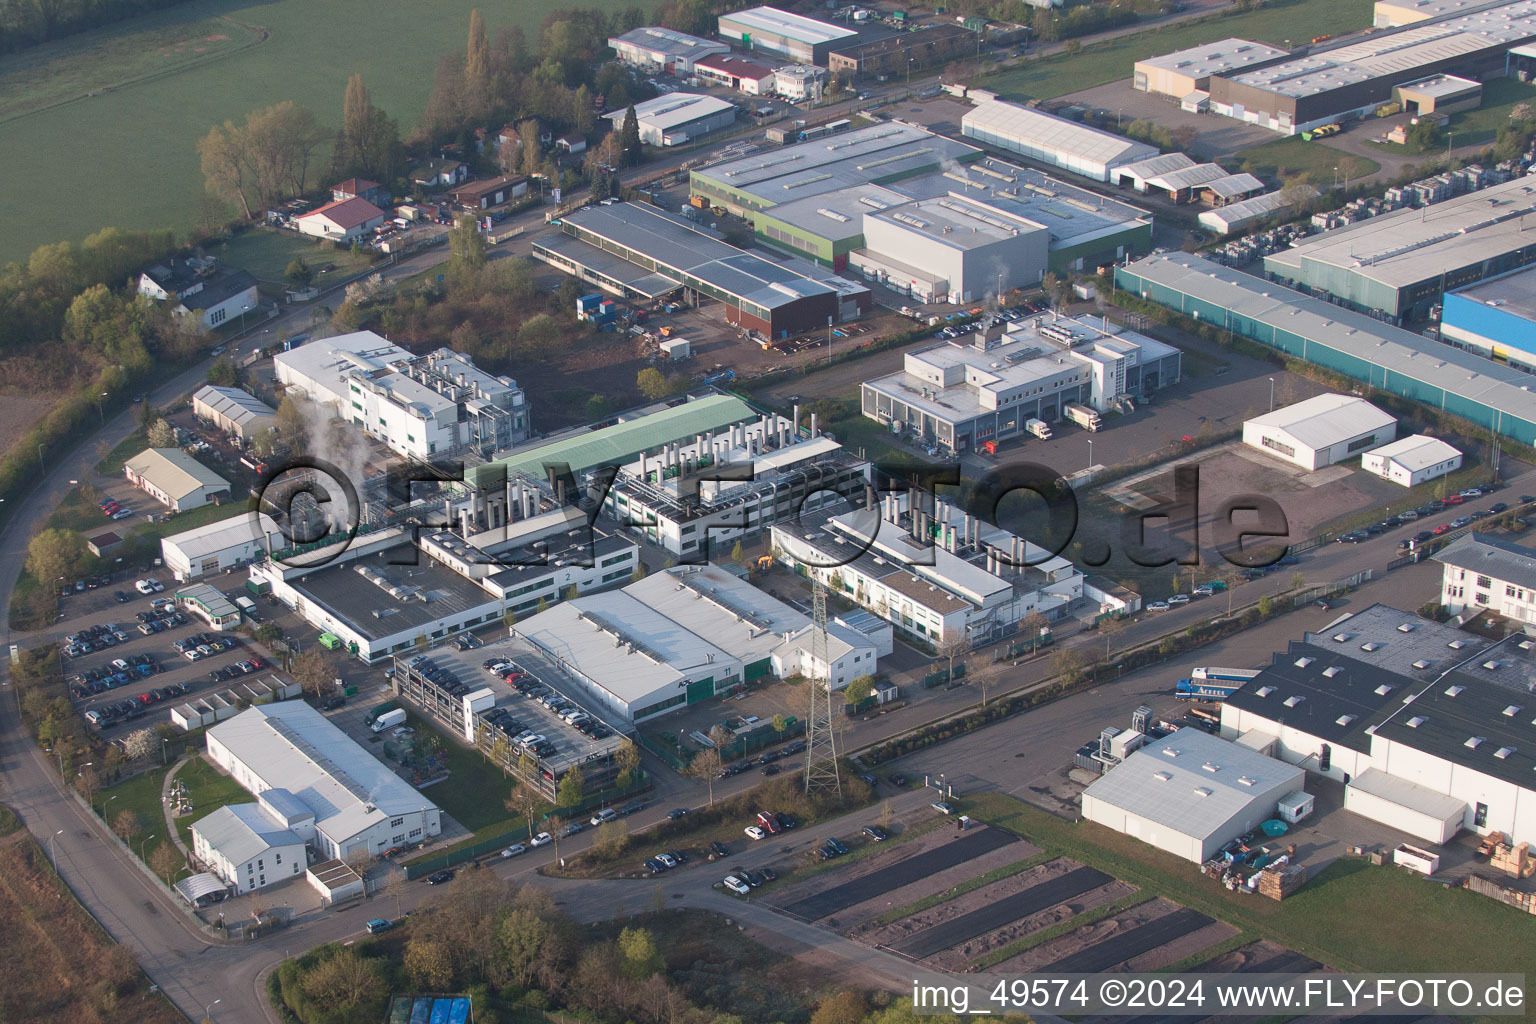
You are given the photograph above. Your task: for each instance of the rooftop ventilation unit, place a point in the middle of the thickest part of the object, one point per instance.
(1370, 646)
(1344, 720)
(1456, 645)
(1421, 663)
(1512, 711)
(1473, 742)
(1383, 690)
(1416, 721)
(1342, 638)
(1491, 666)
(1264, 691)
(1453, 691)
(1331, 671)
(1303, 662)
(1406, 627)
(1211, 767)
(1291, 702)
(1503, 752)
(1201, 791)
(1162, 776)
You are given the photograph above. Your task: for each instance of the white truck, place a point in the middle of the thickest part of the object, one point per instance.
(1039, 428)
(1083, 416)
(392, 717)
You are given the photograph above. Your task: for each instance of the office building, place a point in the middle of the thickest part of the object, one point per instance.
(333, 794)
(799, 82)
(1412, 460)
(637, 250)
(1190, 793)
(662, 49)
(740, 73)
(1483, 571)
(1184, 72)
(677, 118)
(1489, 394)
(1051, 140)
(1320, 431)
(985, 387)
(249, 846)
(1495, 318)
(1400, 263)
(784, 34)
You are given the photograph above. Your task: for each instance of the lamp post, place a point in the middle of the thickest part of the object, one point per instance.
(1090, 453)
(53, 856)
(208, 1010)
(104, 803)
(1271, 394)
(99, 411)
(143, 842)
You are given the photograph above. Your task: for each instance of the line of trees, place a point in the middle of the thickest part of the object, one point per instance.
(26, 23)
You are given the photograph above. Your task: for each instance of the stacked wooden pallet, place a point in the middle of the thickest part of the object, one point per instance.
(1278, 883)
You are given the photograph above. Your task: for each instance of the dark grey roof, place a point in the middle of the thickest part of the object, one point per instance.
(1492, 556)
(1399, 641)
(218, 288)
(341, 591)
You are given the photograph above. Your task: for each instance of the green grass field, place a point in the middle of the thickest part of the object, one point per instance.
(1500, 95)
(208, 790)
(140, 794)
(1274, 23)
(266, 254)
(1285, 157)
(128, 156)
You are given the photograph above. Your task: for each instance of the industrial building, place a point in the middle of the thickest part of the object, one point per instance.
(334, 795)
(770, 30)
(1400, 263)
(1183, 180)
(661, 49)
(1483, 571)
(986, 386)
(1489, 394)
(1320, 431)
(740, 73)
(906, 52)
(204, 602)
(1494, 318)
(815, 199)
(685, 501)
(1413, 460)
(420, 406)
(1441, 94)
(248, 846)
(1183, 72)
(1241, 215)
(175, 479)
(1339, 81)
(232, 411)
(1190, 793)
(1396, 13)
(637, 250)
(1427, 726)
(965, 250)
(1051, 140)
(677, 118)
(684, 635)
(934, 572)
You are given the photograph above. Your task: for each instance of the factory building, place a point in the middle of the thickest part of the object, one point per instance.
(1320, 431)
(987, 386)
(1495, 318)
(1483, 571)
(784, 34)
(1339, 81)
(1396, 13)
(1412, 460)
(1184, 72)
(635, 249)
(685, 499)
(661, 49)
(936, 575)
(1400, 263)
(221, 546)
(1442, 94)
(1245, 213)
(1489, 394)
(1190, 793)
(965, 250)
(1183, 181)
(906, 52)
(233, 411)
(749, 76)
(1051, 140)
(1428, 727)
(677, 118)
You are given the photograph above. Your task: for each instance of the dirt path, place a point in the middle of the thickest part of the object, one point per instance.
(958, 957)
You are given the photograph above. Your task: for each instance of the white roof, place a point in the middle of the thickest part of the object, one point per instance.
(736, 617)
(241, 832)
(202, 541)
(1230, 218)
(618, 643)
(1404, 793)
(174, 472)
(667, 43)
(1047, 131)
(289, 745)
(789, 25)
(238, 406)
(328, 361)
(672, 109)
(1172, 781)
(1326, 419)
(1417, 452)
(1208, 58)
(1153, 166)
(1187, 177)
(1441, 86)
(1233, 184)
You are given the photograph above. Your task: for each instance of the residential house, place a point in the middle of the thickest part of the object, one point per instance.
(361, 188)
(482, 195)
(342, 221)
(440, 172)
(201, 288)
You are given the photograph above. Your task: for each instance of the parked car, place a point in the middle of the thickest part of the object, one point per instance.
(1179, 599)
(753, 832)
(876, 833)
(943, 806)
(677, 812)
(438, 878)
(718, 848)
(513, 850)
(542, 839)
(1159, 606)
(379, 924)
(736, 885)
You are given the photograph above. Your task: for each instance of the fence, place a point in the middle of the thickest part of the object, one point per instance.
(1525, 901)
(942, 676)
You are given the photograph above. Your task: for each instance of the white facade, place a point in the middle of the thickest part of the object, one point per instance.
(1320, 431)
(799, 82)
(342, 221)
(1052, 140)
(1412, 460)
(1482, 571)
(662, 49)
(677, 118)
(174, 478)
(320, 369)
(977, 248)
(247, 847)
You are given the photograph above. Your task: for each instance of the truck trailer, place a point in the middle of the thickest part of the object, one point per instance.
(1214, 683)
(1083, 416)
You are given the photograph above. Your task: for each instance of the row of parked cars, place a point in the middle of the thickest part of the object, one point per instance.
(766, 761)
(529, 686)
(255, 664)
(134, 707)
(121, 672)
(1434, 508)
(113, 509)
(94, 638)
(89, 583)
(204, 645)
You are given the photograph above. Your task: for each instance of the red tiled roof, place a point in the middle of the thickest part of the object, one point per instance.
(348, 213)
(355, 186)
(738, 66)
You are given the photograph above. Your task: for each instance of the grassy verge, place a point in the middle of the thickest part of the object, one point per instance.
(1350, 915)
(266, 254)
(1500, 95)
(207, 790)
(126, 449)
(141, 795)
(1286, 157)
(1059, 929)
(969, 885)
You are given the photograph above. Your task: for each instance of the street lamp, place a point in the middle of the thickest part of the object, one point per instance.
(144, 841)
(104, 803)
(99, 411)
(1271, 394)
(207, 1010)
(1090, 453)
(53, 857)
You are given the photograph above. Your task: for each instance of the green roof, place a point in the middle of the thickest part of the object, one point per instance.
(621, 442)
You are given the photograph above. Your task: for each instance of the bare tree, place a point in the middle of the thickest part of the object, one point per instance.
(952, 648)
(705, 767)
(140, 744)
(395, 887)
(1108, 627)
(127, 825)
(165, 860)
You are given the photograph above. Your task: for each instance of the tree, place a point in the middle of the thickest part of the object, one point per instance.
(1069, 666)
(265, 159)
(523, 797)
(952, 648)
(299, 273)
(845, 1007)
(627, 759)
(429, 965)
(268, 634)
(1521, 114)
(165, 860)
(1265, 606)
(477, 67)
(652, 384)
(1108, 627)
(140, 744)
(161, 435)
(127, 825)
(1423, 136)
(629, 137)
(55, 554)
(705, 767)
(315, 671)
(581, 110)
(611, 840)
(87, 782)
(530, 149)
(467, 244)
(1298, 580)
(738, 554)
(780, 722)
(637, 946)
(1033, 625)
(346, 980)
(570, 791)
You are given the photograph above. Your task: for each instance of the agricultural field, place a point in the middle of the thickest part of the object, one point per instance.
(159, 93)
(1275, 22)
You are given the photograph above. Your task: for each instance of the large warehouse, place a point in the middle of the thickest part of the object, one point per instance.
(967, 250)
(1428, 726)
(1402, 363)
(665, 253)
(677, 118)
(958, 395)
(1495, 318)
(662, 49)
(1358, 76)
(358, 804)
(1401, 263)
(770, 30)
(1051, 140)
(220, 546)
(233, 411)
(1190, 793)
(1320, 431)
(1183, 72)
